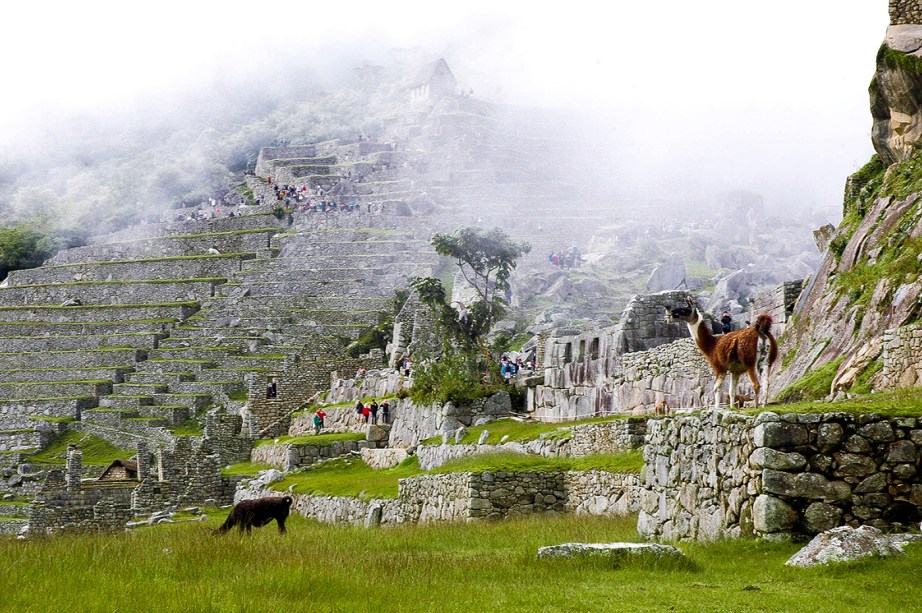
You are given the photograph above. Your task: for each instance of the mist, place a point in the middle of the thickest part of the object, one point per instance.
(663, 105)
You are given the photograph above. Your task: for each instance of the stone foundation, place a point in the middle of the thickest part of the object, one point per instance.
(779, 476)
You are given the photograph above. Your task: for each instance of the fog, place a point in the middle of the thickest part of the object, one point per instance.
(682, 99)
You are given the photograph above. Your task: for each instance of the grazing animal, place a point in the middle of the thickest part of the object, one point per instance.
(741, 399)
(742, 351)
(257, 512)
(662, 408)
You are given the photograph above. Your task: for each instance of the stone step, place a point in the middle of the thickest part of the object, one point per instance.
(49, 406)
(78, 343)
(214, 389)
(167, 377)
(246, 218)
(192, 353)
(143, 389)
(20, 390)
(184, 267)
(126, 401)
(22, 439)
(68, 328)
(167, 246)
(272, 362)
(100, 313)
(115, 374)
(171, 415)
(237, 343)
(70, 359)
(173, 365)
(111, 292)
(233, 374)
(195, 401)
(197, 332)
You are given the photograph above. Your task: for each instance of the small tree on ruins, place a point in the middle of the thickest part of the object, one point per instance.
(486, 259)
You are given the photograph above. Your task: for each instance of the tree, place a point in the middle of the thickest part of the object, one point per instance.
(486, 259)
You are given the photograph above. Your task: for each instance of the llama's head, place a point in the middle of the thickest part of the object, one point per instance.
(687, 312)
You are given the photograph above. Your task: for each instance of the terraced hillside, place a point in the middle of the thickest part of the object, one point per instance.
(166, 319)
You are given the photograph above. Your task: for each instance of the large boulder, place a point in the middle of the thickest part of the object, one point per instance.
(669, 275)
(896, 95)
(615, 552)
(847, 544)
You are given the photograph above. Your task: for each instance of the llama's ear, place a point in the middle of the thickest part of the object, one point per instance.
(691, 302)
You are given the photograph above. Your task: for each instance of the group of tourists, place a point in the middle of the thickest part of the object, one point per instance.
(369, 411)
(569, 258)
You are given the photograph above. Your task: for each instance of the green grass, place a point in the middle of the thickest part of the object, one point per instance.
(190, 427)
(899, 403)
(319, 440)
(349, 477)
(630, 462)
(244, 469)
(96, 451)
(475, 567)
(814, 385)
(519, 431)
(174, 258)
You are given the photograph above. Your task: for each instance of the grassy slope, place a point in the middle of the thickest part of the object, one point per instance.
(475, 567)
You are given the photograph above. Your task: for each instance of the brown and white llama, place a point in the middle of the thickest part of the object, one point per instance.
(750, 350)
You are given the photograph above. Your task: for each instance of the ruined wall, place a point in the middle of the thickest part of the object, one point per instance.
(779, 476)
(459, 497)
(902, 357)
(676, 372)
(413, 424)
(905, 12)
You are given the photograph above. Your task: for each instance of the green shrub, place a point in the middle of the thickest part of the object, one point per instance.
(454, 378)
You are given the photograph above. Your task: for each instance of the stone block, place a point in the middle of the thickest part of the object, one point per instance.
(766, 457)
(779, 434)
(615, 552)
(770, 514)
(902, 451)
(820, 516)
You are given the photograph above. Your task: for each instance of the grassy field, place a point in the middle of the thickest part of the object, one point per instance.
(474, 567)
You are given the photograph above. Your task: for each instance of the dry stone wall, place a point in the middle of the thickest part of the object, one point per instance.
(905, 12)
(459, 497)
(902, 357)
(779, 476)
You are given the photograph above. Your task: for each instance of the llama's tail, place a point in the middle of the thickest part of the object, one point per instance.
(763, 324)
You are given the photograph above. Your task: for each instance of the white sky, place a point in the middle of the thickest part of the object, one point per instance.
(777, 87)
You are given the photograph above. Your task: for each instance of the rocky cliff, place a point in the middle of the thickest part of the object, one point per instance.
(869, 280)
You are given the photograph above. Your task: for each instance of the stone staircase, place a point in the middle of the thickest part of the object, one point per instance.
(103, 361)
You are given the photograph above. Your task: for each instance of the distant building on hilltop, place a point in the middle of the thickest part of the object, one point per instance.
(435, 80)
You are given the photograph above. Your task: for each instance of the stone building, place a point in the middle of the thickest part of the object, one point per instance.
(434, 81)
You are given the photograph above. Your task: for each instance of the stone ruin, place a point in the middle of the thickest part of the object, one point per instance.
(187, 474)
(632, 366)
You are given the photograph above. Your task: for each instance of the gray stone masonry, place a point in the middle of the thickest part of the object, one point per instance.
(779, 476)
(111, 292)
(905, 12)
(464, 497)
(902, 357)
(199, 267)
(288, 456)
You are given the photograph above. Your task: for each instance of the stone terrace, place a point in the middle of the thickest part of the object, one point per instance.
(129, 291)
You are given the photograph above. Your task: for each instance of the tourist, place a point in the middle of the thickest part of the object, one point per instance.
(318, 421)
(726, 321)
(386, 412)
(366, 412)
(374, 411)
(358, 407)
(271, 389)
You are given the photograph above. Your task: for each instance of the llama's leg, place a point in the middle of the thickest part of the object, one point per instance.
(718, 389)
(754, 377)
(734, 384)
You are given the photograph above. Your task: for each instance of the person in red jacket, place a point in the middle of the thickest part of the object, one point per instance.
(318, 420)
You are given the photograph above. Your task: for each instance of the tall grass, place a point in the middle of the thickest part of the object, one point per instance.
(473, 567)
